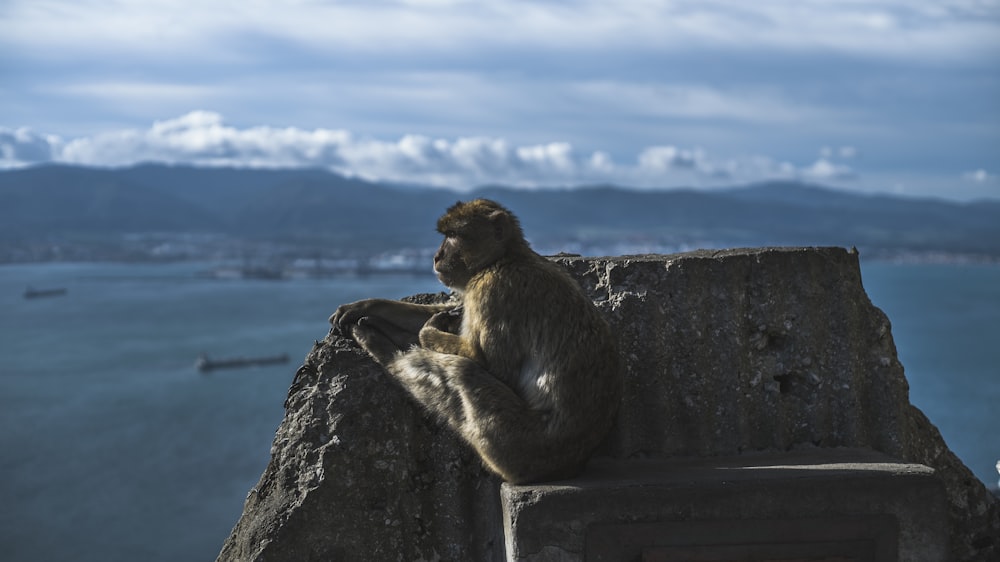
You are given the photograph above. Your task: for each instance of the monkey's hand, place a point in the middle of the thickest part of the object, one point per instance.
(348, 315)
(448, 321)
(435, 339)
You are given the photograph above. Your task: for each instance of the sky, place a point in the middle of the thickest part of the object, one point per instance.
(894, 96)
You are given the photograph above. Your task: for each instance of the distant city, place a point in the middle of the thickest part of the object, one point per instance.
(283, 224)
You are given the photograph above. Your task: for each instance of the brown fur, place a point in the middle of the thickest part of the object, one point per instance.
(531, 378)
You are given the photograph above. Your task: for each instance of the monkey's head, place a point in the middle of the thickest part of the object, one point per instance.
(476, 235)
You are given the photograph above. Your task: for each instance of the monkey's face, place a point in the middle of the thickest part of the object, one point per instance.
(476, 235)
(449, 265)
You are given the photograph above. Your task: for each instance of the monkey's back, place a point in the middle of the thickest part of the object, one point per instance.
(558, 352)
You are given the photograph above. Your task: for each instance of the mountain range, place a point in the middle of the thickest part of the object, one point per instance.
(319, 209)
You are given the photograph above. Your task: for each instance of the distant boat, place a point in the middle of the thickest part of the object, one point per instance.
(30, 293)
(205, 364)
(260, 273)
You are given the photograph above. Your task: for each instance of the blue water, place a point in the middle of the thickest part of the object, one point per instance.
(946, 324)
(114, 448)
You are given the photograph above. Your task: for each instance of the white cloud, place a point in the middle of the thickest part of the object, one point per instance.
(133, 91)
(666, 158)
(201, 137)
(845, 152)
(615, 77)
(979, 176)
(557, 156)
(899, 28)
(825, 170)
(694, 101)
(601, 162)
(22, 146)
(204, 138)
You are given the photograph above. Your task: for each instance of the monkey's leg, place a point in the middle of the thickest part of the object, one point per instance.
(380, 339)
(508, 435)
(401, 336)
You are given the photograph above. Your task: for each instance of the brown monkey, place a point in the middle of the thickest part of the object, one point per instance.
(528, 374)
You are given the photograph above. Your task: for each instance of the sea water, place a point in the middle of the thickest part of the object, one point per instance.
(946, 325)
(113, 447)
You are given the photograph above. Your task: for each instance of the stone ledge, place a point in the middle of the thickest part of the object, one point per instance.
(848, 503)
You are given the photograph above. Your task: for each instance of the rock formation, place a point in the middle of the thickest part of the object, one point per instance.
(727, 352)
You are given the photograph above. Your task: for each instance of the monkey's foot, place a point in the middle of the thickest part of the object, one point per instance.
(373, 340)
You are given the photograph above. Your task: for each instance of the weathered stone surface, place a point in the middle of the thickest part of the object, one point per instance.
(770, 349)
(358, 473)
(782, 501)
(726, 352)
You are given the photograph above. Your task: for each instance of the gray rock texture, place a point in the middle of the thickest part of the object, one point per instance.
(357, 472)
(806, 504)
(727, 352)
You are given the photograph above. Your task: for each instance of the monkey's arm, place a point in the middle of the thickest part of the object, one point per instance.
(408, 317)
(437, 335)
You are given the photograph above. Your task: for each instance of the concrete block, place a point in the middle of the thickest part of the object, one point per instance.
(811, 504)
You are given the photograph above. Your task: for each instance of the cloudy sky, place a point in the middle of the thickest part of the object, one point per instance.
(900, 96)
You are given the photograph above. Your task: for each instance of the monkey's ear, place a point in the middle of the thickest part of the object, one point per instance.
(499, 220)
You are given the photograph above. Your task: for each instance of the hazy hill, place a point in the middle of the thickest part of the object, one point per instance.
(766, 214)
(315, 207)
(53, 199)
